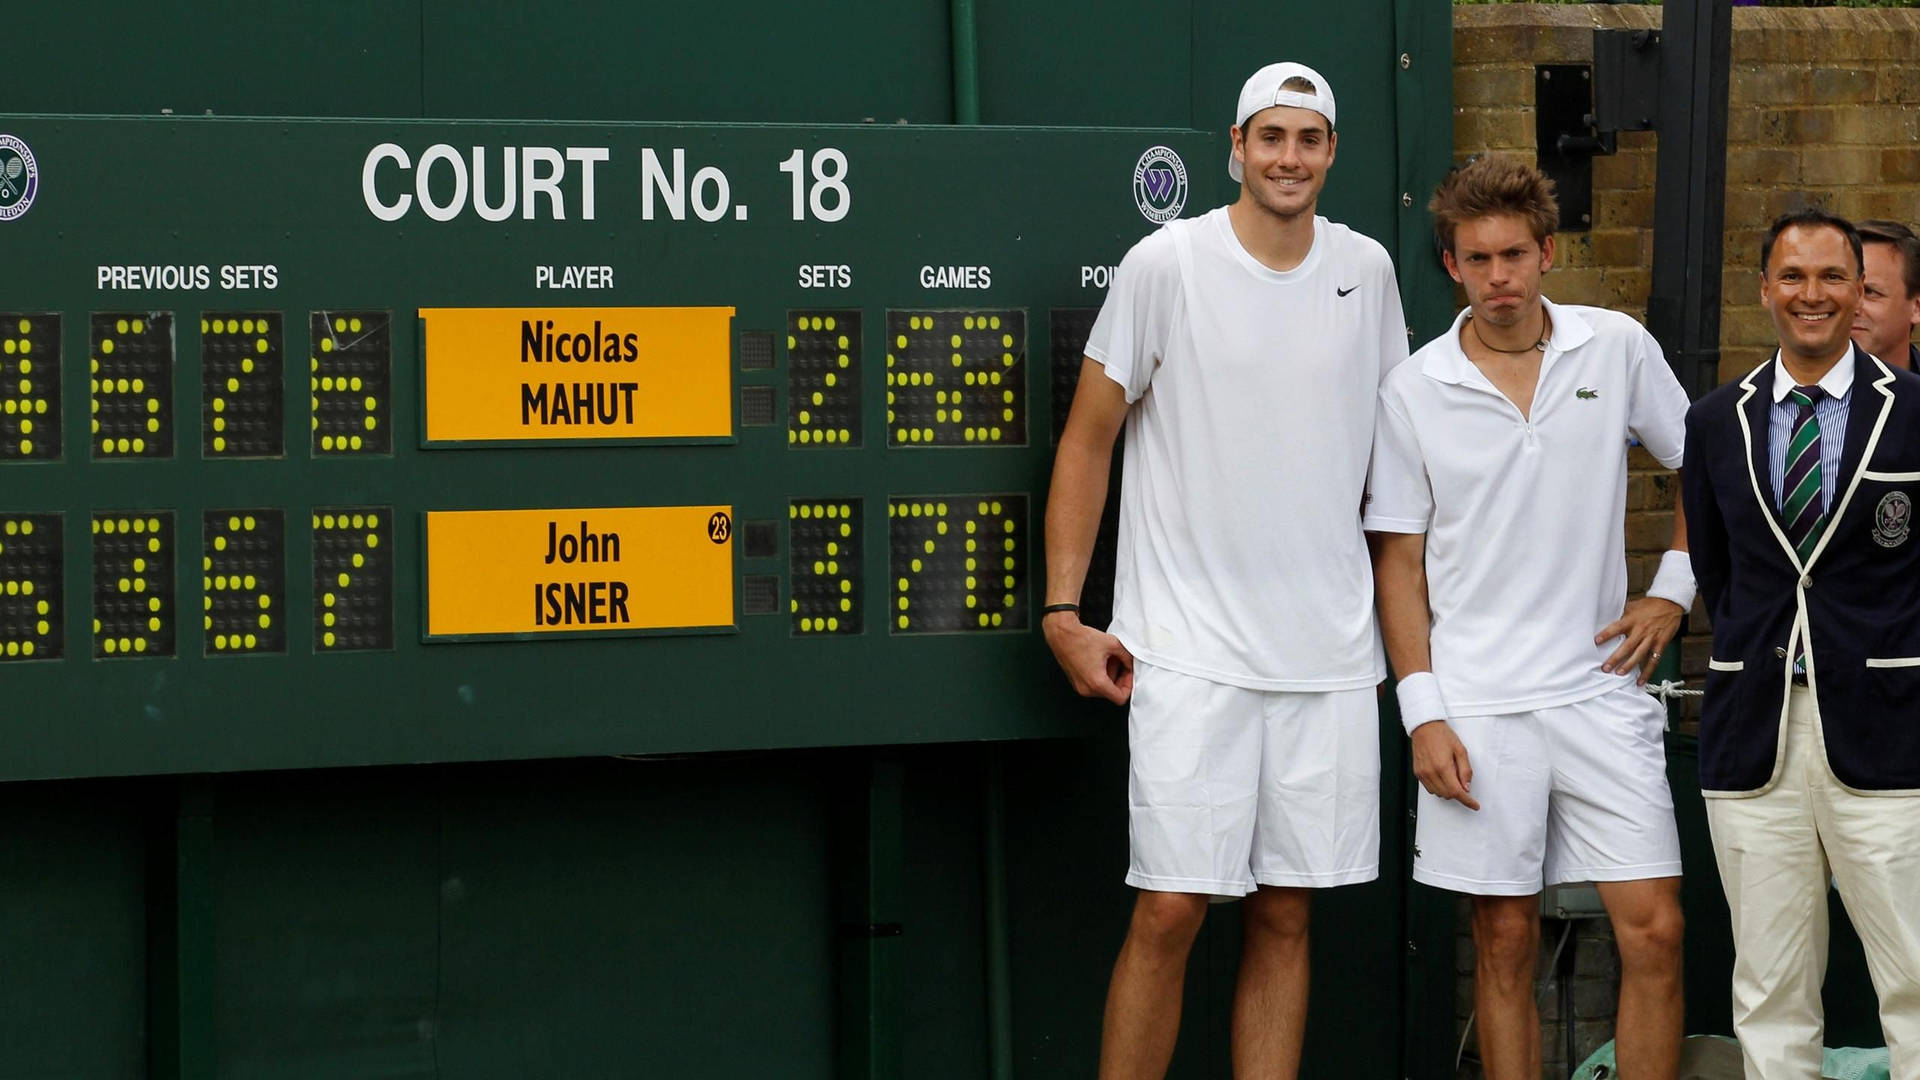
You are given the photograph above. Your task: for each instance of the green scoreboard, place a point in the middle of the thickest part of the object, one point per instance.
(358, 442)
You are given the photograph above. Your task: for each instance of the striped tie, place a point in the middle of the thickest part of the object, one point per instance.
(1805, 508)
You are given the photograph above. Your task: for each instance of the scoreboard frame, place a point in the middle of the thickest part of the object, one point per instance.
(774, 222)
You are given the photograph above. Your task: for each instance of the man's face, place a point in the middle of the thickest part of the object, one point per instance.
(1811, 286)
(1499, 263)
(1884, 324)
(1284, 153)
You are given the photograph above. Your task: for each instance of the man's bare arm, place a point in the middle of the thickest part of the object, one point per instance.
(1095, 661)
(1400, 587)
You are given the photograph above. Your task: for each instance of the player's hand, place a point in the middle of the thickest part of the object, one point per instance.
(1646, 627)
(1094, 660)
(1440, 763)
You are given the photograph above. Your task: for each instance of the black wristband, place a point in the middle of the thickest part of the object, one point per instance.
(1054, 608)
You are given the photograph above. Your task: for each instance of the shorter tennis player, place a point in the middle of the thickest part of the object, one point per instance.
(1496, 509)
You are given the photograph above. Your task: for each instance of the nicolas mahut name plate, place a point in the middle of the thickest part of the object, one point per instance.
(522, 375)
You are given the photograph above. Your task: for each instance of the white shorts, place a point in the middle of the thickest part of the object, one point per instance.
(1233, 788)
(1573, 793)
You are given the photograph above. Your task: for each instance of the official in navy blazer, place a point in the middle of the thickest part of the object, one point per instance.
(1799, 484)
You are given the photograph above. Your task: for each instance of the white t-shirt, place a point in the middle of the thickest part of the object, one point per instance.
(1241, 558)
(1525, 518)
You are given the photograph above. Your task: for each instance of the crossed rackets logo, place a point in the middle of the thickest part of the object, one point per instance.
(19, 177)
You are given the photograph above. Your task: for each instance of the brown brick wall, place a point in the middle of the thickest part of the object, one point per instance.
(1824, 108)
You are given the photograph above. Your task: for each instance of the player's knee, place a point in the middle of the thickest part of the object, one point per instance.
(1279, 916)
(1506, 936)
(1651, 941)
(1164, 921)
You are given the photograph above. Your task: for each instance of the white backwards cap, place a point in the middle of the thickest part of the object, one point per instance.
(1263, 91)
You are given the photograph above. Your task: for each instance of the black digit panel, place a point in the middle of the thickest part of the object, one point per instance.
(823, 378)
(130, 373)
(134, 613)
(244, 573)
(242, 360)
(1068, 329)
(823, 542)
(352, 578)
(956, 378)
(958, 563)
(31, 569)
(351, 372)
(29, 386)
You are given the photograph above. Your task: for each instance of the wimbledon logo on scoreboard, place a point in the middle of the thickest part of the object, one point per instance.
(1160, 184)
(19, 178)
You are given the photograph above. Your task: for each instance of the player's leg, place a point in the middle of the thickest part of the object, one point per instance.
(1775, 875)
(1193, 763)
(1647, 927)
(1611, 823)
(1495, 854)
(1142, 1018)
(1270, 994)
(1873, 842)
(1506, 943)
(1318, 825)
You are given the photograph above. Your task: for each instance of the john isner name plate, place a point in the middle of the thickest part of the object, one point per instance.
(606, 569)
(519, 375)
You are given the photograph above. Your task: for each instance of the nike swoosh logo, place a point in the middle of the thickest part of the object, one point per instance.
(1342, 292)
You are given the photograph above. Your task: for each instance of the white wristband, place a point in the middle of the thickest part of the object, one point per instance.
(1674, 580)
(1420, 701)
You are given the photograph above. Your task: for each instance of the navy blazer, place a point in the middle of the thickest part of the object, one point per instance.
(1855, 602)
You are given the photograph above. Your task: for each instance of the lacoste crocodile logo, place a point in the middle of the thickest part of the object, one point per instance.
(1586, 394)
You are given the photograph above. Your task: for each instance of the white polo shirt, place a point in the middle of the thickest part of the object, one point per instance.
(1524, 516)
(1254, 392)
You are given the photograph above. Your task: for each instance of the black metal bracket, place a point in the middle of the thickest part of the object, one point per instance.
(1626, 80)
(1579, 111)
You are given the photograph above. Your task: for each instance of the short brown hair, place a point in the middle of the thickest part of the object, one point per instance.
(1483, 186)
(1881, 231)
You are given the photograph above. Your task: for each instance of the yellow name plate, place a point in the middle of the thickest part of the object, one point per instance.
(601, 569)
(554, 374)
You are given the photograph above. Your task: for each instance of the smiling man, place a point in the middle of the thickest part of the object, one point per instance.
(1242, 351)
(1800, 483)
(1890, 304)
(1498, 509)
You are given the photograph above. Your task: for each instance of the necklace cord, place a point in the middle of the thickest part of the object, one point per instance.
(1538, 346)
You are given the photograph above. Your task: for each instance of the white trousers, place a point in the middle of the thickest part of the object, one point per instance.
(1775, 853)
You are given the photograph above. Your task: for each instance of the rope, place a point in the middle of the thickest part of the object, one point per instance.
(1669, 689)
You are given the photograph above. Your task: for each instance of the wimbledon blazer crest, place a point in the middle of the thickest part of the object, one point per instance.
(1893, 519)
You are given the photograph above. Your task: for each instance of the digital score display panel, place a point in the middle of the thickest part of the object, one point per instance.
(956, 378)
(29, 386)
(244, 579)
(823, 378)
(132, 385)
(134, 613)
(827, 566)
(351, 380)
(242, 371)
(352, 578)
(32, 569)
(533, 427)
(958, 563)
